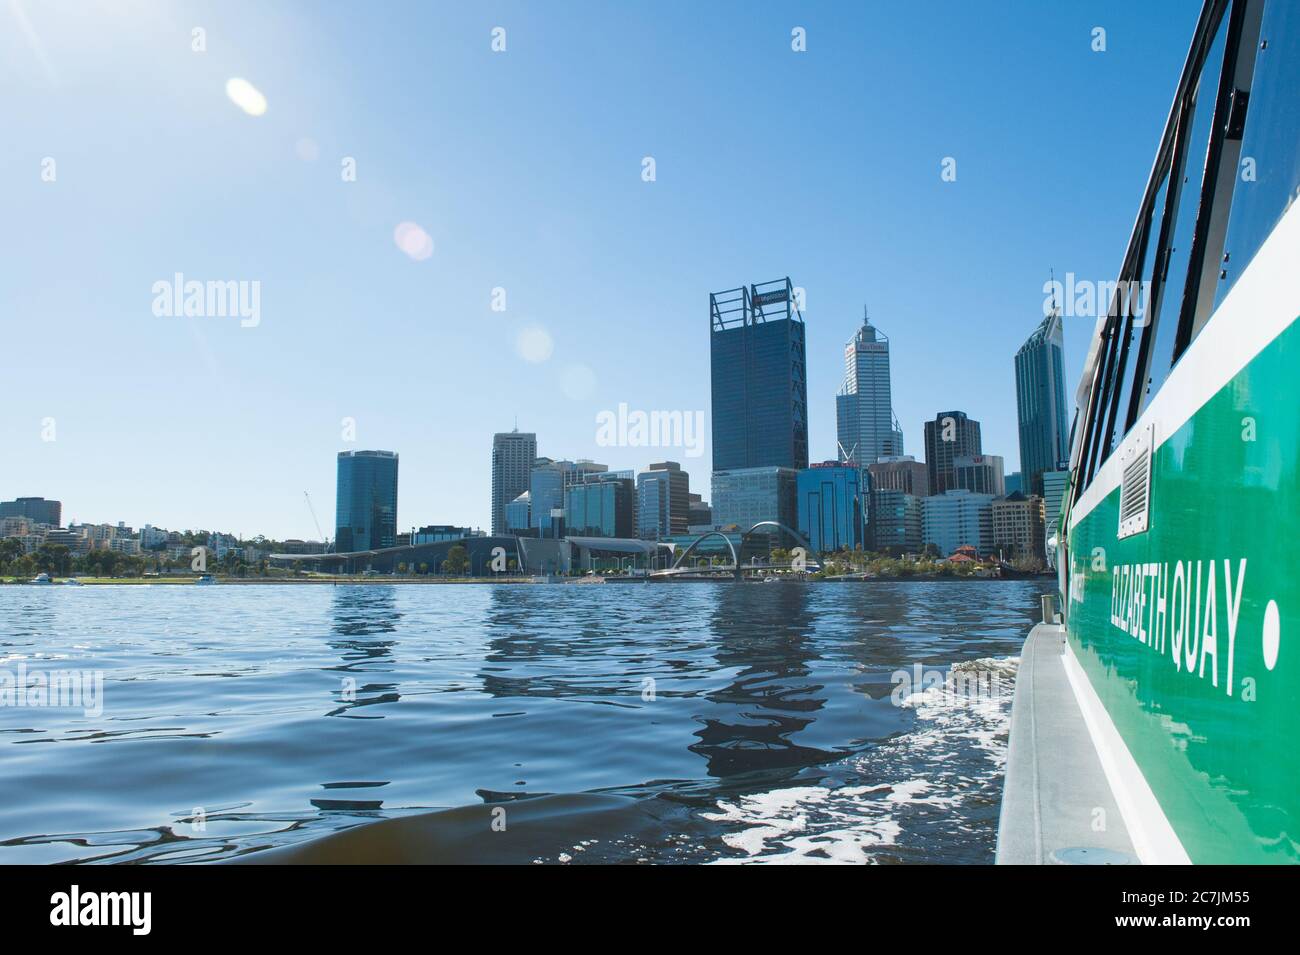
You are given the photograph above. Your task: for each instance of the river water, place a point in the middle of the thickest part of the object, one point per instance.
(732, 722)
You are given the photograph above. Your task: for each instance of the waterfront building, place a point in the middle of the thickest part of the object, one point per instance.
(1040, 403)
(981, 473)
(865, 424)
(951, 435)
(900, 472)
(513, 454)
(603, 505)
(296, 546)
(36, 509)
(436, 533)
(365, 511)
(744, 497)
(1018, 526)
(519, 515)
(831, 506)
(1054, 486)
(758, 378)
(663, 500)
(547, 482)
(959, 517)
(894, 522)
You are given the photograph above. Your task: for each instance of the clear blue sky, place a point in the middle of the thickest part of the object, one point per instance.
(525, 169)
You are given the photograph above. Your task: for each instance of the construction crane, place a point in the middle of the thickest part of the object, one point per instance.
(319, 533)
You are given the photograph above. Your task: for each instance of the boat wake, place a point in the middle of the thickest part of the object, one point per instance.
(931, 793)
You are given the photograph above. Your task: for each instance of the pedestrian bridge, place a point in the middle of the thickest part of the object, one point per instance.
(680, 567)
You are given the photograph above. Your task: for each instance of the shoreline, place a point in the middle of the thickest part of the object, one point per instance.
(421, 581)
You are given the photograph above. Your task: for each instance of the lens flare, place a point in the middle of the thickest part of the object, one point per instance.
(413, 240)
(533, 344)
(246, 96)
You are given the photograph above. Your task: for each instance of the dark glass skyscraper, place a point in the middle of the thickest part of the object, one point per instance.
(1040, 403)
(365, 514)
(832, 507)
(951, 435)
(760, 390)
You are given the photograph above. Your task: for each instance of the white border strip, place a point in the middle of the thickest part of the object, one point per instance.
(1259, 308)
(1153, 837)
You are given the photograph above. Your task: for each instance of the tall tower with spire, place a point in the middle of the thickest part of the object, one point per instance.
(1040, 402)
(864, 413)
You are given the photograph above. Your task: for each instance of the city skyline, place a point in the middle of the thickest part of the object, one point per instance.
(204, 422)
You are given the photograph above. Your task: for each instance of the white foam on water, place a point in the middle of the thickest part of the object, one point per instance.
(956, 750)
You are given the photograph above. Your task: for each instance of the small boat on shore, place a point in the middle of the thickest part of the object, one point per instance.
(41, 578)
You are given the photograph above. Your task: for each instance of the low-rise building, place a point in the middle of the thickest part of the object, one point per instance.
(959, 517)
(894, 521)
(1018, 526)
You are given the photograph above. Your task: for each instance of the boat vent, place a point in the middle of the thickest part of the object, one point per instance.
(1135, 486)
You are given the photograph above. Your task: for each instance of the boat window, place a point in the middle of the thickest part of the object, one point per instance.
(1100, 399)
(1133, 309)
(1268, 174)
(1167, 304)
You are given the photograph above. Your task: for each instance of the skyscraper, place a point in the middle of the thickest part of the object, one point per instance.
(1040, 403)
(759, 388)
(365, 509)
(864, 412)
(981, 473)
(900, 472)
(513, 453)
(951, 435)
(663, 501)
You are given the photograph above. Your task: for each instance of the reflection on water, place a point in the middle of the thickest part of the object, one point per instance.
(358, 614)
(752, 721)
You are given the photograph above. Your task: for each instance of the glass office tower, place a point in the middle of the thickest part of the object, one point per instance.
(603, 506)
(759, 388)
(747, 496)
(1040, 403)
(662, 501)
(831, 507)
(864, 411)
(365, 510)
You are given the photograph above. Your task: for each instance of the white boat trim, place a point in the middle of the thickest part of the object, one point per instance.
(1153, 837)
(1259, 308)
